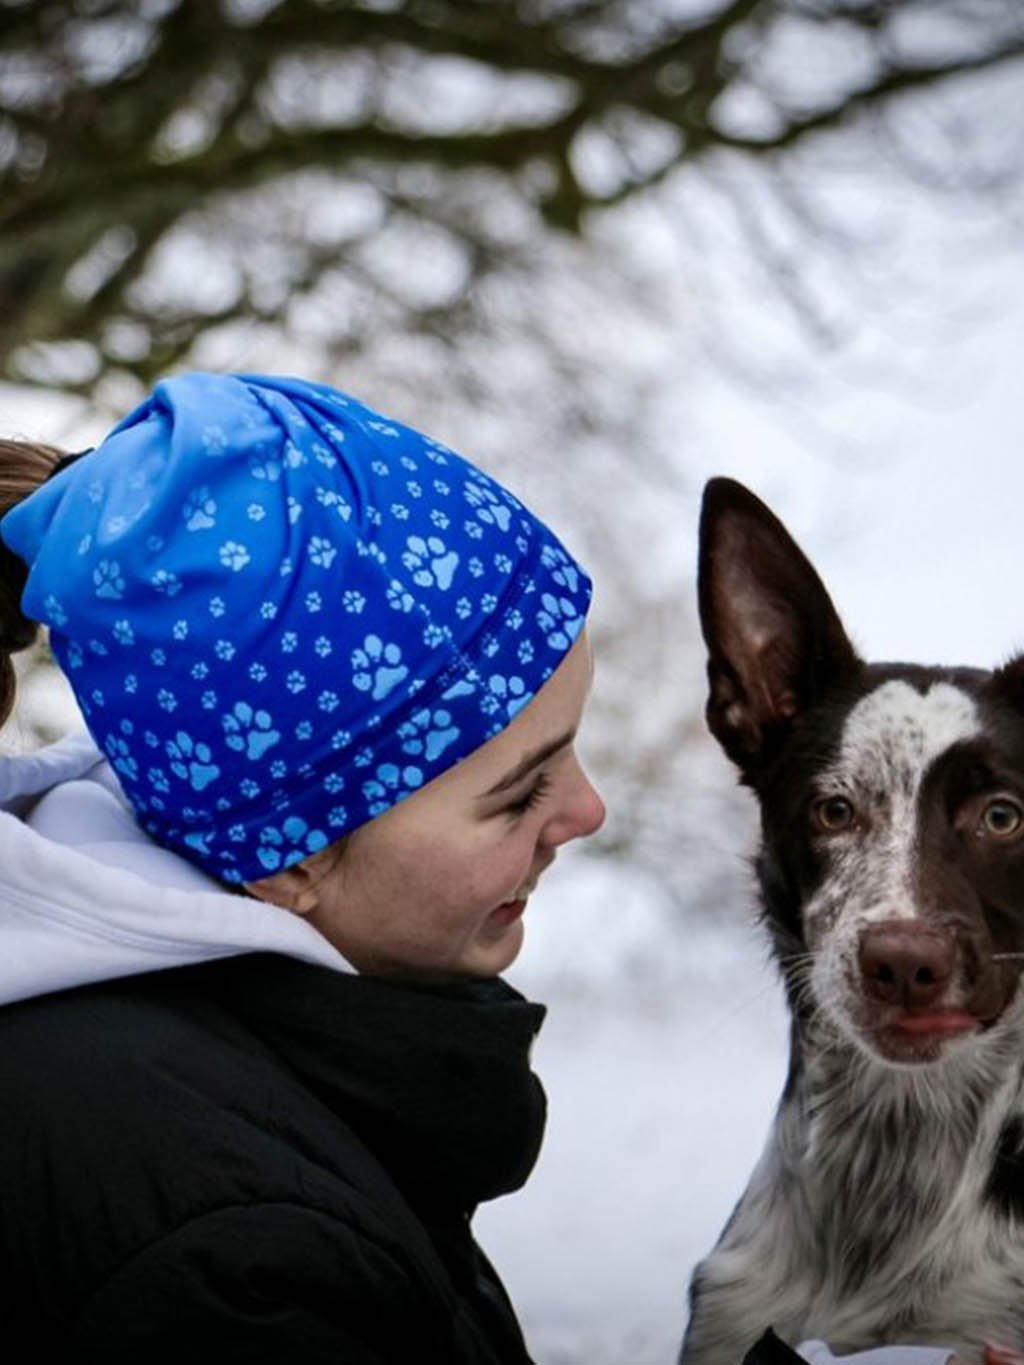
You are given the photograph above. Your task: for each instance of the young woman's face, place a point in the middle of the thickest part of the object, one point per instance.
(438, 884)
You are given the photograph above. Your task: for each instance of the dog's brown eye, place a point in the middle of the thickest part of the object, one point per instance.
(1002, 819)
(833, 814)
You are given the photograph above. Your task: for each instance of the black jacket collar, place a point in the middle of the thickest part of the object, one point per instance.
(435, 1080)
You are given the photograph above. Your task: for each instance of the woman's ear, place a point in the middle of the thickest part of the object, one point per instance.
(297, 888)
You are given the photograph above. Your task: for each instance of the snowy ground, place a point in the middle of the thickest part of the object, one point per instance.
(663, 1055)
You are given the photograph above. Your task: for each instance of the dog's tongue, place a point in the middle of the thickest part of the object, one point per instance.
(945, 1021)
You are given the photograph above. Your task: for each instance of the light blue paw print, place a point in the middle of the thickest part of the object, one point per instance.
(121, 757)
(378, 667)
(55, 613)
(430, 562)
(166, 582)
(157, 779)
(234, 555)
(249, 731)
(191, 761)
(214, 440)
(108, 580)
(270, 470)
(289, 844)
(390, 784)
(399, 599)
(559, 620)
(200, 841)
(200, 510)
(488, 506)
(563, 571)
(321, 552)
(327, 497)
(427, 734)
(512, 692)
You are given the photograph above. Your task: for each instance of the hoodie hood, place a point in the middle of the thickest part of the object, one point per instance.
(86, 896)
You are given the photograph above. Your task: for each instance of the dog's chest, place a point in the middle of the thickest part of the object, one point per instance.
(866, 1232)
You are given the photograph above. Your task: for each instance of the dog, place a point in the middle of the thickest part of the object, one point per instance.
(888, 1204)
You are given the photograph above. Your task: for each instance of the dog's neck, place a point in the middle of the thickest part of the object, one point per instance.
(884, 1155)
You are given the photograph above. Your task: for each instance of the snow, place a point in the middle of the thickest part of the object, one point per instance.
(662, 1079)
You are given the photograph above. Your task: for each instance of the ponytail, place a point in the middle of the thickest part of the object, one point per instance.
(24, 467)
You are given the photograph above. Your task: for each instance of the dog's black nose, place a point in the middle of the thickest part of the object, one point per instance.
(904, 963)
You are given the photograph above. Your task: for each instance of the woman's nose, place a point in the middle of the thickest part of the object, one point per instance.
(581, 815)
(593, 810)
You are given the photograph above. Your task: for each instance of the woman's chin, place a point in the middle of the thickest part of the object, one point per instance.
(496, 946)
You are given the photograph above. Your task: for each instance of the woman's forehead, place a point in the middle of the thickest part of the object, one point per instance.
(553, 714)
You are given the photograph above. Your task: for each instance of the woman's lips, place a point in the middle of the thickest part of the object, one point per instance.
(507, 913)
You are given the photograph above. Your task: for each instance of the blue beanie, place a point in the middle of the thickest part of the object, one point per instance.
(281, 613)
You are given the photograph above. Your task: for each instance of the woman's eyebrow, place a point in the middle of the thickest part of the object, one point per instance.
(531, 760)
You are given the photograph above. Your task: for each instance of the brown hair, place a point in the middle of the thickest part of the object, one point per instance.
(24, 466)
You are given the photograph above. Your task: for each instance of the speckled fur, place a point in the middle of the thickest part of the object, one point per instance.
(866, 1220)
(888, 1205)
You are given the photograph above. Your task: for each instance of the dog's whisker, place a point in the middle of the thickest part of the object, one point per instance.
(1007, 957)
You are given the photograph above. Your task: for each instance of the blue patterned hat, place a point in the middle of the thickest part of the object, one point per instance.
(281, 613)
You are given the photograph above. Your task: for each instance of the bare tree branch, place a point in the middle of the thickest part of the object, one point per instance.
(155, 127)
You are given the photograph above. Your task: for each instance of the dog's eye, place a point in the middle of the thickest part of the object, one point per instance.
(833, 814)
(1002, 818)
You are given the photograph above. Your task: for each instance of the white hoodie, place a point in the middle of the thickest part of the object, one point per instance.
(86, 895)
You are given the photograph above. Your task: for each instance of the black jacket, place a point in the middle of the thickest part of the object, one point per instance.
(259, 1160)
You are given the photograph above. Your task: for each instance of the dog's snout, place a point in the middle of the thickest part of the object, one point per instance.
(906, 964)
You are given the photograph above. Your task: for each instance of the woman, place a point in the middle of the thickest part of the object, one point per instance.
(256, 1066)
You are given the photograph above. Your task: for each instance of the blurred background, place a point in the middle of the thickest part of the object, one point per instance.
(606, 248)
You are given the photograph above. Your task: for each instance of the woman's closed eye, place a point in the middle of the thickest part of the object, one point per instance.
(536, 793)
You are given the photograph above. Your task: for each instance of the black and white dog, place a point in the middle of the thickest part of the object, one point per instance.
(888, 1205)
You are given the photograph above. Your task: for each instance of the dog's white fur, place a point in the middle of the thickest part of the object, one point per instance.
(889, 739)
(888, 1205)
(822, 1243)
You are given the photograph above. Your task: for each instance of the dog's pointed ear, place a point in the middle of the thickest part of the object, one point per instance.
(773, 636)
(1007, 683)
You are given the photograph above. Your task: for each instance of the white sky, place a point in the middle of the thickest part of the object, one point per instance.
(919, 536)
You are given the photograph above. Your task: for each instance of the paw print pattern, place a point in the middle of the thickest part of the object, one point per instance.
(488, 506)
(427, 734)
(303, 615)
(200, 510)
(390, 784)
(559, 620)
(55, 613)
(234, 555)
(378, 667)
(107, 579)
(288, 843)
(165, 582)
(267, 470)
(511, 692)
(322, 552)
(191, 761)
(249, 731)
(214, 440)
(120, 755)
(430, 562)
(399, 599)
(563, 571)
